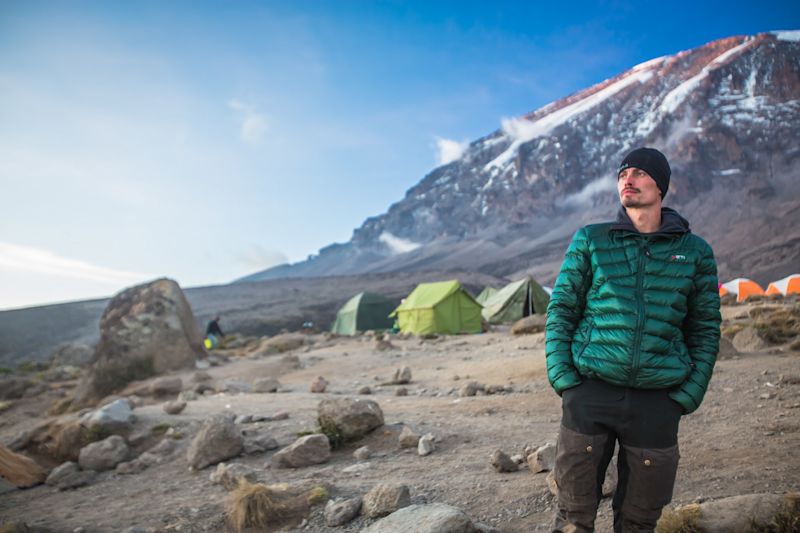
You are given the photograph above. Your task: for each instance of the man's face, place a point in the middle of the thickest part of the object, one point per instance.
(637, 189)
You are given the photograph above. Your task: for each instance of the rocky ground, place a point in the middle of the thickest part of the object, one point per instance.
(742, 440)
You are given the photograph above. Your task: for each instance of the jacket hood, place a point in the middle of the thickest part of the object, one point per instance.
(672, 223)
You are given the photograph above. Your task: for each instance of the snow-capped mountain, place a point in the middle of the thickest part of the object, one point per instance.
(727, 115)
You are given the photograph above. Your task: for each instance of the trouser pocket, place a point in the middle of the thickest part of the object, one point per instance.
(651, 479)
(578, 460)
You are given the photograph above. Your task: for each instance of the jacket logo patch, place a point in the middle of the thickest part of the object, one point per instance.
(678, 258)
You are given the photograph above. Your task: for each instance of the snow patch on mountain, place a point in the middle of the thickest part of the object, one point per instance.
(396, 244)
(678, 95)
(793, 35)
(522, 130)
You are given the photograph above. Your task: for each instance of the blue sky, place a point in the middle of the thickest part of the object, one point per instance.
(207, 140)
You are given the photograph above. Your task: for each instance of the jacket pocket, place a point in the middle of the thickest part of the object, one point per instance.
(679, 349)
(588, 328)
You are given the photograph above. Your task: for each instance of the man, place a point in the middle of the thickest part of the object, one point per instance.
(631, 340)
(214, 329)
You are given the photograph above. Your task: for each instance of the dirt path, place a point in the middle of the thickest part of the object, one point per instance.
(743, 439)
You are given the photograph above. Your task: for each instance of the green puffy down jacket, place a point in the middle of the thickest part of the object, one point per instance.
(636, 310)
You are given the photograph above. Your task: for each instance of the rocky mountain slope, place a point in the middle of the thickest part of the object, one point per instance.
(727, 115)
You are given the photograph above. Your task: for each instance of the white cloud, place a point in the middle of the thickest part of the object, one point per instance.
(18, 258)
(396, 244)
(254, 124)
(450, 150)
(585, 195)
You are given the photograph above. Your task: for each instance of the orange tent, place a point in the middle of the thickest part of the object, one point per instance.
(743, 288)
(787, 285)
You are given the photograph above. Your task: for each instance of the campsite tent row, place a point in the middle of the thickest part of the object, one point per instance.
(744, 288)
(441, 307)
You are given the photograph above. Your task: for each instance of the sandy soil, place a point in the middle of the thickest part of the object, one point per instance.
(742, 440)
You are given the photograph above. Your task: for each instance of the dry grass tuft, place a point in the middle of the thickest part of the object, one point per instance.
(257, 506)
(787, 520)
(317, 495)
(778, 326)
(729, 332)
(679, 520)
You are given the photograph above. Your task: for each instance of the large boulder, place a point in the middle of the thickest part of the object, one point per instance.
(305, 451)
(103, 455)
(529, 324)
(431, 518)
(220, 438)
(351, 417)
(145, 331)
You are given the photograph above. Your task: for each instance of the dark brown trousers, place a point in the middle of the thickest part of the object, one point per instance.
(595, 416)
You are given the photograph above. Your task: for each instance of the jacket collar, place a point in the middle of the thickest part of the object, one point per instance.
(671, 223)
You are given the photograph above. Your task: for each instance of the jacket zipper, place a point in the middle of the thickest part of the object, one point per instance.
(637, 341)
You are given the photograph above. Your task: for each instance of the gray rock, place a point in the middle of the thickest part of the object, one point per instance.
(305, 451)
(280, 415)
(266, 385)
(201, 376)
(187, 396)
(530, 324)
(749, 340)
(502, 462)
(543, 459)
(431, 518)
(340, 512)
(138, 465)
(365, 390)
(470, 389)
(244, 419)
(363, 453)
(145, 331)
(164, 448)
(112, 418)
(352, 417)
(103, 455)
(384, 499)
(402, 376)
(319, 384)
(166, 386)
(235, 386)
(408, 439)
(231, 475)
(174, 407)
(401, 391)
(426, 444)
(259, 443)
(218, 439)
(69, 476)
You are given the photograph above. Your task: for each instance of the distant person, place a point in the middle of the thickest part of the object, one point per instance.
(214, 329)
(631, 340)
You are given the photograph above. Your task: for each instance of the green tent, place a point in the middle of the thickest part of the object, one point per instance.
(516, 300)
(485, 294)
(362, 312)
(443, 307)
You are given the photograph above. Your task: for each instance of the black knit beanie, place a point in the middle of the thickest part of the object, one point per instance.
(651, 161)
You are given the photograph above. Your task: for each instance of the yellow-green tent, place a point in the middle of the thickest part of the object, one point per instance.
(362, 312)
(516, 300)
(443, 307)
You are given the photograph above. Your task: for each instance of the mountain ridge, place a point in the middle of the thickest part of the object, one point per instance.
(725, 113)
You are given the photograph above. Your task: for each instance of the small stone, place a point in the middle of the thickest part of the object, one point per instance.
(259, 444)
(229, 475)
(103, 455)
(543, 459)
(266, 385)
(187, 396)
(319, 384)
(426, 445)
(174, 407)
(363, 453)
(384, 499)
(166, 386)
(69, 476)
(402, 376)
(365, 390)
(280, 415)
(305, 451)
(401, 391)
(502, 462)
(243, 419)
(408, 439)
(340, 512)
